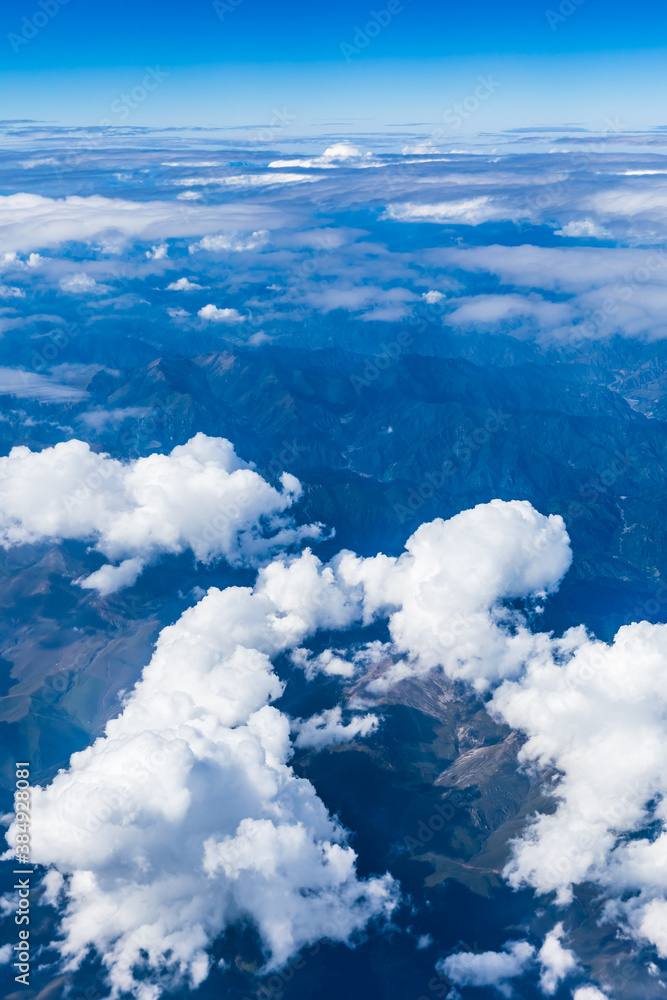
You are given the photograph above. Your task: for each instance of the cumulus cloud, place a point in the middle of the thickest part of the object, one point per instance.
(234, 242)
(497, 968)
(184, 285)
(185, 816)
(589, 993)
(158, 252)
(201, 497)
(583, 227)
(489, 968)
(599, 726)
(212, 314)
(556, 962)
(80, 284)
(603, 727)
(446, 595)
(450, 601)
(339, 154)
(327, 728)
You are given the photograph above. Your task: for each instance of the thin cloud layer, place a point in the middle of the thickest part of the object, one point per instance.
(30, 221)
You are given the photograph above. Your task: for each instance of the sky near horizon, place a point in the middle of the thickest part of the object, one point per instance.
(353, 64)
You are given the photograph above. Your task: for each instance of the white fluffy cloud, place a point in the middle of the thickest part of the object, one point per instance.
(201, 497)
(337, 155)
(451, 603)
(81, 284)
(185, 816)
(213, 314)
(603, 726)
(583, 227)
(497, 968)
(556, 962)
(233, 242)
(444, 595)
(328, 728)
(600, 725)
(184, 285)
(489, 968)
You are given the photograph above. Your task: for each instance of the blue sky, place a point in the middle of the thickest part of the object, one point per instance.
(560, 61)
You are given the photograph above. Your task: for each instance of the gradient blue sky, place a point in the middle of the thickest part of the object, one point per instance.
(599, 61)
